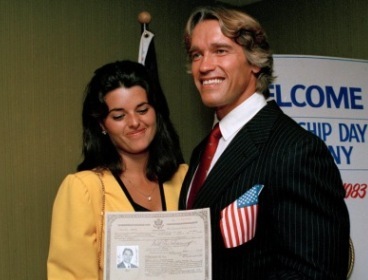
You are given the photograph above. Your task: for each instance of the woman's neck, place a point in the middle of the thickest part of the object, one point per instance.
(135, 164)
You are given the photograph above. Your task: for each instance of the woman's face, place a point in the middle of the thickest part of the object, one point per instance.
(131, 121)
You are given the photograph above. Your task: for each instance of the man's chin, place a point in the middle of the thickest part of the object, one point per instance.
(209, 101)
(209, 104)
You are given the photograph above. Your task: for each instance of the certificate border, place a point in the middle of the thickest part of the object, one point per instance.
(204, 214)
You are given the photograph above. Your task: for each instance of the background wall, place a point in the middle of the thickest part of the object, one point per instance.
(48, 52)
(312, 27)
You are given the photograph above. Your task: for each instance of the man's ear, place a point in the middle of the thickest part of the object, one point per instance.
(256, 69)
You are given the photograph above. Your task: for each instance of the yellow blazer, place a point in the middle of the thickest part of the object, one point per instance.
(76, 242)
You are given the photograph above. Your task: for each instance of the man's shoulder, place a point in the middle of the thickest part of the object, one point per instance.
(280, 125)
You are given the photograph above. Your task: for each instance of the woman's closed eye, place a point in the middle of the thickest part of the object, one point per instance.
(118, 117)
(142, 111)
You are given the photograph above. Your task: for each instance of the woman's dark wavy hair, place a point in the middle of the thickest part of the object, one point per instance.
(99, 152)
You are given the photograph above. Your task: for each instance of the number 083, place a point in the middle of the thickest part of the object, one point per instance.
(355, 190)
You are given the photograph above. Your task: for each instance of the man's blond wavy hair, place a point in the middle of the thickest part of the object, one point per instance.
(245, 31)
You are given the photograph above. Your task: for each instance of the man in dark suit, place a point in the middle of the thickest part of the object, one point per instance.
(275, 194)
(127, 259)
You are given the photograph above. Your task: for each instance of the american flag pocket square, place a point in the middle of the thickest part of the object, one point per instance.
(238, 220)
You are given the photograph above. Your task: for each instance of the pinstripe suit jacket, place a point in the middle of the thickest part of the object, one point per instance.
(302, 227)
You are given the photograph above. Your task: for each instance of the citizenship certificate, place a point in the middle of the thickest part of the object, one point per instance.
(173, 245)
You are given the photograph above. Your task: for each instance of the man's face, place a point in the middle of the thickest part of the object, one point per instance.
(127, 256)
(220, 68)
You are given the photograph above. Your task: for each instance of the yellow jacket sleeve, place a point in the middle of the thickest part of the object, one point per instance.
(173, 186)
(74, 248)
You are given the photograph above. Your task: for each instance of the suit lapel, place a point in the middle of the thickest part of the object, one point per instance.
(241, 152)
(194, 161)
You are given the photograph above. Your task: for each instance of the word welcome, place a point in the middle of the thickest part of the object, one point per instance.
(317, 96)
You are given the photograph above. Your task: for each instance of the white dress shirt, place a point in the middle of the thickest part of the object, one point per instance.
(235, 120)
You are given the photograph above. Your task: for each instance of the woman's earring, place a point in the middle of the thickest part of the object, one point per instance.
(104, 132)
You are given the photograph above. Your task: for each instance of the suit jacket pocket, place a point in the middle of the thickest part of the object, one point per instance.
(239, 219)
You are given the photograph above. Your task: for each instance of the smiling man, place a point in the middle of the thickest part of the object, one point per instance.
(275, 194)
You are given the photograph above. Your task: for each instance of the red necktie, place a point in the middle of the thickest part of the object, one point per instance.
(204, 164)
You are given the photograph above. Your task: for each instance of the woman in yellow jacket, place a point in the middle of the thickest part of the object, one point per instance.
(132, 162)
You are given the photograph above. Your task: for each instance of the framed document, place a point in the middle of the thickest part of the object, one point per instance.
(173, 245)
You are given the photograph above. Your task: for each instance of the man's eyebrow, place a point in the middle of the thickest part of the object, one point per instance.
(212, 46)
(220, 45)
(193, 49)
